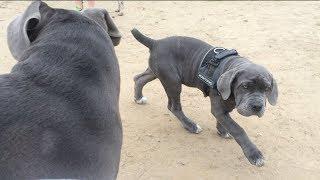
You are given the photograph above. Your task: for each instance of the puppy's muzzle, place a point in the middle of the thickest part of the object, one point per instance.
(257, 107)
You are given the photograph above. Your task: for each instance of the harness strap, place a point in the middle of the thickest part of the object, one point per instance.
(210, 62)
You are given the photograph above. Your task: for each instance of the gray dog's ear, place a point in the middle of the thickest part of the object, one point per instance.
(103, 19)
(21, 32)
(225, 81)
(113, 31)
(272, 94)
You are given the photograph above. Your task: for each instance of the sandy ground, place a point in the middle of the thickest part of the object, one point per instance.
(283, 36)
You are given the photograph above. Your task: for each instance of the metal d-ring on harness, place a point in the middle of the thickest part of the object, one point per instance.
(208, 65)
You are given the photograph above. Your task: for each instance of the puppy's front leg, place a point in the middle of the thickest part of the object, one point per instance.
(252, 153)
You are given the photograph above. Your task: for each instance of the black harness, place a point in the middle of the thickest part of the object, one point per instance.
(207, 69)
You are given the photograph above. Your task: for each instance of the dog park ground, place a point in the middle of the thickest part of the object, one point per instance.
(282, 36)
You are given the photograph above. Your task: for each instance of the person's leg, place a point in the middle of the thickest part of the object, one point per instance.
(79, 5)
(91, 3)
(120, 8)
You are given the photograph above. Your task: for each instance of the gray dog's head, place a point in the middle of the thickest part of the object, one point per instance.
(26, 27)
(250, 85)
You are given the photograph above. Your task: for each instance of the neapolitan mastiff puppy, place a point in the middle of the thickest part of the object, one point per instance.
(59, 104)
(231, 81)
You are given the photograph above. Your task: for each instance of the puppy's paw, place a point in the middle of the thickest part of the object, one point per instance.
(255, 157)
(224, 135)
(199, 129)
(193, 128)
(142, 100)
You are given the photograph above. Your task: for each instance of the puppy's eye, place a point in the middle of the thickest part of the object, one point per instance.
(245, 86)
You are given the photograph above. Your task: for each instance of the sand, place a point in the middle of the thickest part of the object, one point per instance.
(282, 36)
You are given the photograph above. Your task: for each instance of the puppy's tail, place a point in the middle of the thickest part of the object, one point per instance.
(142, 38)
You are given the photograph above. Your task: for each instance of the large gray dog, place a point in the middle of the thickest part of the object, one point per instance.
(59, 104)
(241, 85)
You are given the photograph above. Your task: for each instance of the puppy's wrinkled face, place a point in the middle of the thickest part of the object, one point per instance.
(250, 90)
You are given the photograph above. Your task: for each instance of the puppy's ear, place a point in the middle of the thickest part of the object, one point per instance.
(23, 30)
(272, 94)
(113, 31)
(225, 81)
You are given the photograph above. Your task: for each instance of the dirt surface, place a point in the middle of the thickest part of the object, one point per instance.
(282, 36)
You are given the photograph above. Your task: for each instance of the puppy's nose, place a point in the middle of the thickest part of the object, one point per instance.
(257, 107)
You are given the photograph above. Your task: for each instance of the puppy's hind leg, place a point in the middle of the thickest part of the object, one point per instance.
(140, 81)
(173, 90)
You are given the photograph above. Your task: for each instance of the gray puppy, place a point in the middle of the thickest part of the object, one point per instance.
(59, 105)
(241, 85)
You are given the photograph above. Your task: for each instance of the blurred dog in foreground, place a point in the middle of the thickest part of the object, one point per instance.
(59, 105)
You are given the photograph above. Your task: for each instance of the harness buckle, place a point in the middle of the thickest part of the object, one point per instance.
(218, 50)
